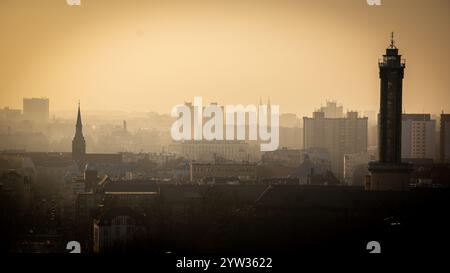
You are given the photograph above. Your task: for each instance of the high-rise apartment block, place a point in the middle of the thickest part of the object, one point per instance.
(418, 136)
(339, 136)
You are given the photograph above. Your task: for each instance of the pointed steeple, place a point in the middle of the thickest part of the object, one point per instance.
(78, 142)
(79, 125)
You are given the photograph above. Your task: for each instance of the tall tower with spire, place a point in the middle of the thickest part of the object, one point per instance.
(78, 142)
(389, 173)
(391, 76)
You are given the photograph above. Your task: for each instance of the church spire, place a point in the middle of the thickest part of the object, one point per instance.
(79, 126)
(78, 142)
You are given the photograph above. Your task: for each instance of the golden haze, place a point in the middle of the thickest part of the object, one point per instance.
(150, 55)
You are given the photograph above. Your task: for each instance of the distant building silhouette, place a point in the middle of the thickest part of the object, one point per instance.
(332, 110)
(8, 114)
(207, 151)
(352, 165)
(339, 136)
(36, 109)
(200, 172)
(372, 127)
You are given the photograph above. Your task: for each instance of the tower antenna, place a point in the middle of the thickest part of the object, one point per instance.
(392, 40)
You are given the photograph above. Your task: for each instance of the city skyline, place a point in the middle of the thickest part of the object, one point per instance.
(242, 52)
(122, 113)
(246, 130)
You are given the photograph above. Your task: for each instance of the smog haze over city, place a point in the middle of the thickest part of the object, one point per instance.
(125, 55)
(224, 135)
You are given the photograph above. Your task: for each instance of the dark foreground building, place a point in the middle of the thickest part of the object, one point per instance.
(335, 220)
(258, 219)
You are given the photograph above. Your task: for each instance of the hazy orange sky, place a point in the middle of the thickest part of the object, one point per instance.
(151, 55)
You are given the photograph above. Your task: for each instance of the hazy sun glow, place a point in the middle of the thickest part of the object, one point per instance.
(152, 55)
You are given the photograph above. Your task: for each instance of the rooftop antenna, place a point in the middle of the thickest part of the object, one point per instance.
(392, 40)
